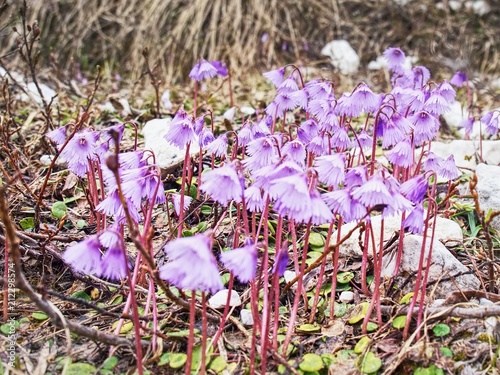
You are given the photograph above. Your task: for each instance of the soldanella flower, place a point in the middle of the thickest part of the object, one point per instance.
(340, 139)
(373, 193)
(432, 162)
(191, 264)
(320, 213)
(395, 59)
(218, 147)
(79, 150)
(220, 67)
(223, 184)
(281, 260)
(458, 79)
(176, 201)
(296, 151)
(330, 169)
(490, 119)
(414, 222)
(361, 100)
(114, 264)
(415, 188)
(181, 130)
(401, 154)
(448, 169)
(242, 262)
(262, 152)
(58, 135)
(202, 70)
(276, 76)
(85, 256)
(426, 127)
(254, 199)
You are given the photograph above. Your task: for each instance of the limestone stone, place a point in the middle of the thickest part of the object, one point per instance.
(488, 190)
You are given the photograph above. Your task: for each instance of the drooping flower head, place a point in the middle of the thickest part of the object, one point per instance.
(223, 184)
(448, 169)
(181, 130)
(202, 70)
(395, 59)
(415, 188)
(85, 256)
(191, 264)
(276, 76)
(458, 79)
(242, 262)
(58, 135)
(414, 222)
(220, 67)
(281, 260)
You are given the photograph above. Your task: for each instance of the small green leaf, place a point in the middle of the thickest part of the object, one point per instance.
(39, 316)
(110, 363)
(27, 223)
(406, 298)
(218, 364)
(59, 210)
(80, 369)
(431, 370)
(206, 210)
(316, 240)
(126, 327)
(164, 359)
(183, 333)
(9, 329)
(399, 321)
(81, 224)
(368, 363)
(344, 277)
(371, 327)
(177, 360)
(441, 329)
(446, 351)
(359, 312)
(81, 295)
(116, 300)
(328, 359)
(311, 362)
(308, 328)
(362, 345)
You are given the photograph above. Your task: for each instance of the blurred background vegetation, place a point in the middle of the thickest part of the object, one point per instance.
(253, 34)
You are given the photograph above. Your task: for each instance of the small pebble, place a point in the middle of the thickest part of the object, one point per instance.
(346, 297)
(246, 317)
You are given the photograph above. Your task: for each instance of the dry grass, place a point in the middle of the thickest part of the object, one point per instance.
(177, 32)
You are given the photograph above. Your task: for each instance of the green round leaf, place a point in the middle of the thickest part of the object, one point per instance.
(362, 345)
(81, 295)
(311, 362)
(446, 351)
(218, 364)
(177, 360)
(359, 312)
(39, 316)
(110, 363)
(371, 326)
(406, 298)
(328, 359)
(164, 359)
(80, 369)
(441, 329)
(368, 363)
(308, 328)
(399, 321)
(316, 240)
(59, 210)
(27, 223)
(344, 277)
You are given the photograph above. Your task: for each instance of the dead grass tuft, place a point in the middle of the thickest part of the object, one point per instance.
(254, 33)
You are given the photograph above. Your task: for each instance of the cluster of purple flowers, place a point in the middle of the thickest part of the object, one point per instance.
(86, 256)
(318, 173)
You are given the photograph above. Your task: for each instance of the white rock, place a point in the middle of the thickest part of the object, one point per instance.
(219, 299)
(107, 106)
(467, 152)
(495, 84)
(229, 114)
(47, 159)
(488, 182)
(289, 275)
(246, 317)
(447, 231)
(342, 55)
(443, 265)
(32, 93)
(247, 110)
(165, 99)
(381, 63)
(166, 154)
(456, 116)
(455, 5)
(479, 7)
(346, 297)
